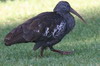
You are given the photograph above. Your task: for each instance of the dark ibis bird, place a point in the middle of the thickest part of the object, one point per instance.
(45, 29)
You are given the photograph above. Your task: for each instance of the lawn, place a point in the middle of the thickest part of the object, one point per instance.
(84, 40)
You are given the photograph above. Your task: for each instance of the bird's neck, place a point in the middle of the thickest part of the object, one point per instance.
(69, 19)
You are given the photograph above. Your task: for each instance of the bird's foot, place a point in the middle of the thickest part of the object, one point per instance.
(65, 52)
(61, 52)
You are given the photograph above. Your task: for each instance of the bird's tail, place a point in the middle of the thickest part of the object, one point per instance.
(15, 36)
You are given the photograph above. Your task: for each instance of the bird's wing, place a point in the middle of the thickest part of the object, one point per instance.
(38, 26)
(34, 28)
(28, 30)
(32, 31)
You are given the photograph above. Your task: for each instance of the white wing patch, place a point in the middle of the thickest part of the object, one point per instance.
(59, 28)
(46, 31)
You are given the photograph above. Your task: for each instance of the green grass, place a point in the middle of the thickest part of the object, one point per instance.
(84, 39)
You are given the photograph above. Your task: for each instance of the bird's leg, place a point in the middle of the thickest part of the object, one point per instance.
(59, 51)
(42, 50)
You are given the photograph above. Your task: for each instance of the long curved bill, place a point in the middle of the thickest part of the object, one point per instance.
(74, 12)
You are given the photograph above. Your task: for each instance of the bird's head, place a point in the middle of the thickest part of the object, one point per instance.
(64, 7)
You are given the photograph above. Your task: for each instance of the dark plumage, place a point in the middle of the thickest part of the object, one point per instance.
(45, 29)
